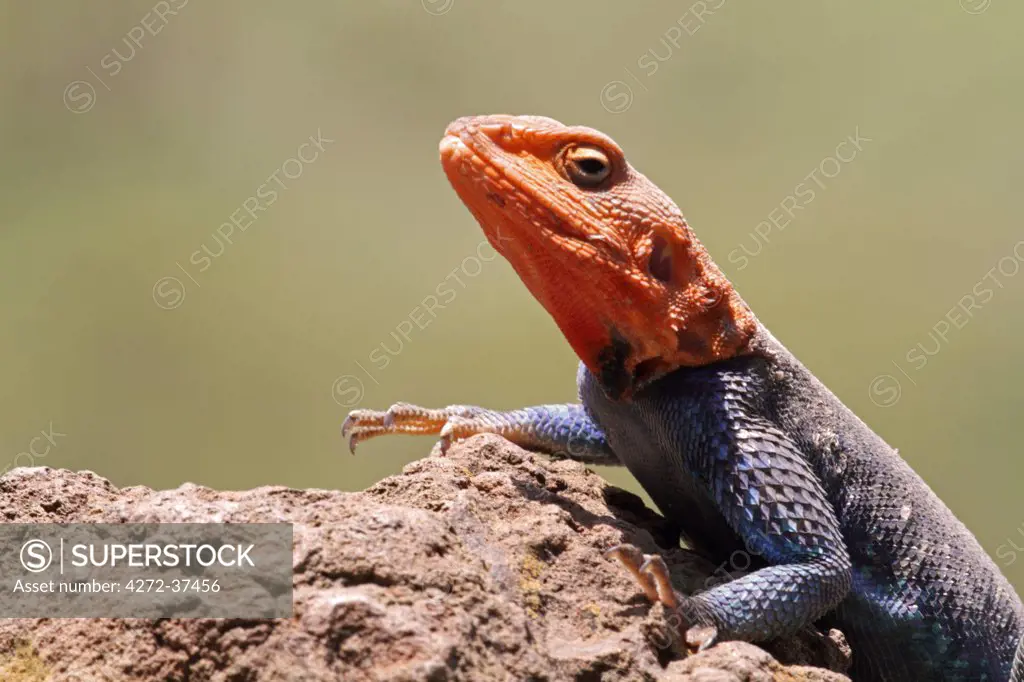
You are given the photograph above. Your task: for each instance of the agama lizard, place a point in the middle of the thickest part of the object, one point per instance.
(735, 440)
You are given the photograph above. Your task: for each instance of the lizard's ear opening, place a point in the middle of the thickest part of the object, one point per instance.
(659, 264)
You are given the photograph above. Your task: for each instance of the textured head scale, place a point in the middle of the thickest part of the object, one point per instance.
(606, 252)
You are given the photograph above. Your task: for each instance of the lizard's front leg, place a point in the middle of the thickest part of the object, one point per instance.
(565, 430)
(771, 497)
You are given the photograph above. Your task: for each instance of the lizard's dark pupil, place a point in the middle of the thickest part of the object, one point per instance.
(586, 167)
(591, 166)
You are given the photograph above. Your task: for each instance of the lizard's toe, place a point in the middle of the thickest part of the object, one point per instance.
(633, 560)
(355, 420)
(406, 415)
(360, 425)
(655, 568)
(445, 441)
(460, 427)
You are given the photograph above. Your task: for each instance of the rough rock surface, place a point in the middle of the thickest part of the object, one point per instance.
(483, 564)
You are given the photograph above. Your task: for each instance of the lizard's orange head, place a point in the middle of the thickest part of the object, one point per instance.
(606, 252)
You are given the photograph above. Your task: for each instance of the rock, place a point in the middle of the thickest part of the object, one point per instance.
(483, 564)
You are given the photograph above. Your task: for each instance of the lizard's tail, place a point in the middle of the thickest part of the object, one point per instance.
(1017, 669)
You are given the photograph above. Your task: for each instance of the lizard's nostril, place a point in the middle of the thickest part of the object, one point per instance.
(450, 146)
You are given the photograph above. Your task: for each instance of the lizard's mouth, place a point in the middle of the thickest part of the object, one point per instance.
(501, 169)
(492, 163)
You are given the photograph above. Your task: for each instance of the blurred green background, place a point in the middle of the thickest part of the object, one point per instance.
(130, 134)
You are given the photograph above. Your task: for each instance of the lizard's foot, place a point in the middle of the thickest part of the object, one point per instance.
(555, 429)
(452, 423)
(651, 572)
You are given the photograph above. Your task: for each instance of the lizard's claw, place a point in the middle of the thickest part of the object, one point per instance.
(700, 637)
(450, 423)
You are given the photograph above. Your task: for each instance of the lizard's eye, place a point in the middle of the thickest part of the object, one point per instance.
(660, 262)
(586, 167)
